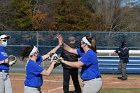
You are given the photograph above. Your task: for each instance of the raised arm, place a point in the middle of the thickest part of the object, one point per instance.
(49, 70)
(69, 49)
(73, 64)
(54, 49)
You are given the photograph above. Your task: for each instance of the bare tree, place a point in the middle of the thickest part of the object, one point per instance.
(115, 16)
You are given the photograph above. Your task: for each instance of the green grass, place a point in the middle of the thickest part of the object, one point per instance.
(120, 90)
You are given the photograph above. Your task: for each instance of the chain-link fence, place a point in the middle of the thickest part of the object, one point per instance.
(45, 40)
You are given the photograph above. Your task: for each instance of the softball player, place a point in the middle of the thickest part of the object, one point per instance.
(90, 73)
(5, 83)
(34, 71)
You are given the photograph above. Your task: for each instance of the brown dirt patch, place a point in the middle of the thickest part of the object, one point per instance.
(54, 83)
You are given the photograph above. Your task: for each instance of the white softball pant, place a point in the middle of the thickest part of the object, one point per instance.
(31, 90)
(5, 83)
(92, 86)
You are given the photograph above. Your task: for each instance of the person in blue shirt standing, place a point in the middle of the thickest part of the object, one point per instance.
(90, 73)
(34, 71)
(5, 83)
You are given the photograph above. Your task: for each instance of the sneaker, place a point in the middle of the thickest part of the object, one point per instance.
(119, 77)
(124, 78)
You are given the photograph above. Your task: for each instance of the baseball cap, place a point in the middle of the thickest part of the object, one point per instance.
(123, 42)
(4, 37)
(71, 38)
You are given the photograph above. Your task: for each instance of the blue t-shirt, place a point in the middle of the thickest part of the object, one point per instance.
(3, 56)
(90, 69)
(33, 70)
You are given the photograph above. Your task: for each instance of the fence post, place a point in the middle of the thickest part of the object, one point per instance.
(37, 40)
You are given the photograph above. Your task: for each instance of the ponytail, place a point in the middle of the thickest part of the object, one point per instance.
(26, 51)
(93, 43)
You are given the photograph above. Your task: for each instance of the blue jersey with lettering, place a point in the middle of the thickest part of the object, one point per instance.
(33, 70)
(90, 70)
(3, 56)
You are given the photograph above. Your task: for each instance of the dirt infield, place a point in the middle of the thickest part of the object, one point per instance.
(53, 83)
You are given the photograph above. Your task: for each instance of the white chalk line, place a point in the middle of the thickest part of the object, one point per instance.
(48, 91)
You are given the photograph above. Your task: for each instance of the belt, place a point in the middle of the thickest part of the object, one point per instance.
(5, 71)
(94, 78)
(97, 77)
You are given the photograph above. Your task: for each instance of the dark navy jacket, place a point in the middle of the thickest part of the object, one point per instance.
(123, 53)
(69, 56)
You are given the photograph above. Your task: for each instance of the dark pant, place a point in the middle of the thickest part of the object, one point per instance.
(66, 78)
(122, 68)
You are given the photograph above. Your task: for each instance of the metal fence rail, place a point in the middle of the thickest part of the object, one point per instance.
(45, 41)
(110, 65)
